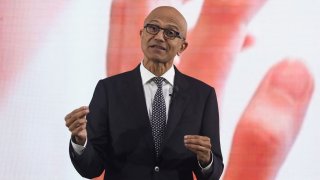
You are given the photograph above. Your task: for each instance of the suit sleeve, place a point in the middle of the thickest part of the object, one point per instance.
(91, 162)
(210, 128)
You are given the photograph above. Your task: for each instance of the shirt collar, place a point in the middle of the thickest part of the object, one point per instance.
(146, 75)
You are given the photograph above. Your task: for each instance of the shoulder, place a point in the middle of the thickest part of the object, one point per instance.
(195, 83)
(122, 77)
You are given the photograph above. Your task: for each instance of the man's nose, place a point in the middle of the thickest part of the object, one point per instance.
(160, 35)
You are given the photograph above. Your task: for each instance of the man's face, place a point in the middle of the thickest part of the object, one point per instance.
(158, 47)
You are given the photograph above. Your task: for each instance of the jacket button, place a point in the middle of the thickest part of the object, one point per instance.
(156, 169)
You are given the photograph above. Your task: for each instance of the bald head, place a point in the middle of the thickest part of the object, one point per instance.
(171, 15)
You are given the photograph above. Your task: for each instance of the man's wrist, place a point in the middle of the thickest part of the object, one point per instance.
(79, 141)
(205, 168)
(78, 148)
(205, 164)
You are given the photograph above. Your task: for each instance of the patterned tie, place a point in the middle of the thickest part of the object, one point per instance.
(158, 116)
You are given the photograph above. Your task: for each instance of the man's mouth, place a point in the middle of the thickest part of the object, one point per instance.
(158, 47)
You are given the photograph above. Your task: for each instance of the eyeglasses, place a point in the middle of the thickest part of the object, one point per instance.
(168, 33)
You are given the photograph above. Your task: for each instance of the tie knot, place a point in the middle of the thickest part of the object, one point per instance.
(158, 81)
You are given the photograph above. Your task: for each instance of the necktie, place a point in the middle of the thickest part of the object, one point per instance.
(158, 116)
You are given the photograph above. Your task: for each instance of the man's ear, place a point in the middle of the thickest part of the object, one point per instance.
(183, 46)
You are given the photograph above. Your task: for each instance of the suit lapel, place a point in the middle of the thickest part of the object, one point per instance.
(134, 96)
(177, 105)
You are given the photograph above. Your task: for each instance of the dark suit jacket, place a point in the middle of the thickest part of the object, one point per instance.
(120, 138)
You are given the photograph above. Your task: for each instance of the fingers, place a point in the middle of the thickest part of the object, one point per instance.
(76, 114)
(240, 11)
(216, 39)
(196, 140)
(126, 20)
(75, 111)
(271, 122)
(77, 123)
(200, 145)
(81, 130)
(77, 126)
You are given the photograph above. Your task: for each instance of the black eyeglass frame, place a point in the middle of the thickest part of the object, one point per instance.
(177, 34)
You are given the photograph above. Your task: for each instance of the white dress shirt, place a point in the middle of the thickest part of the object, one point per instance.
(150, 87)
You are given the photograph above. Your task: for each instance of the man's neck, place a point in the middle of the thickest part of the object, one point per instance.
(157, 68)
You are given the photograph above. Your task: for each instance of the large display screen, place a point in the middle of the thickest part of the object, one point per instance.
(261, 56)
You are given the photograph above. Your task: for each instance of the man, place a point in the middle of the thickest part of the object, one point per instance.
(152, 122)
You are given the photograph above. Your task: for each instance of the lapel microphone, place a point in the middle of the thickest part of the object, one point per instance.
(173, 94)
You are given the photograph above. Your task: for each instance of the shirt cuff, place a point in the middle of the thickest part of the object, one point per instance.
(78, 148)
(206, 169)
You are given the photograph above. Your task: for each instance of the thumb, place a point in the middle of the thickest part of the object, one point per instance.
(271, 122)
